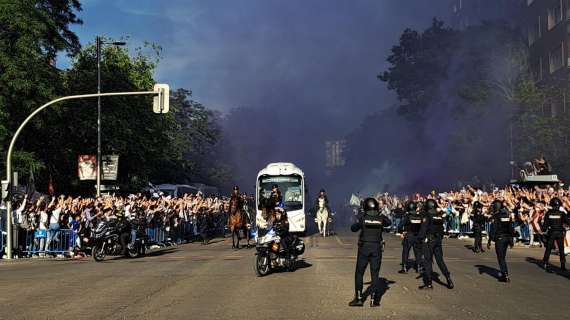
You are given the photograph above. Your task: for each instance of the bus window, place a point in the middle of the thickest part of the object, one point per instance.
(290, 187)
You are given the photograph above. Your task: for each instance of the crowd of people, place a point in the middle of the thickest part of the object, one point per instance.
(41, 221)
(528, 205)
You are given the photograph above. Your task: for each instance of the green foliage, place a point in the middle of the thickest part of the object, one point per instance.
(159, 148)
(31, 34)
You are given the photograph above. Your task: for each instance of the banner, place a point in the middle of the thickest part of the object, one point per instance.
(110, 167)
(87, 167)
(354, 200)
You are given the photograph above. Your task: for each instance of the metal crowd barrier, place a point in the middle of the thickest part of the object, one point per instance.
(2, 240)
(52, 241)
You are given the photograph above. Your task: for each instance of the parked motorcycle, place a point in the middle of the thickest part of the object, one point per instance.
(271, 253)
(106, 241)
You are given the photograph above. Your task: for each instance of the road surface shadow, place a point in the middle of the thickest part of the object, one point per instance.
(160, 252)
(489, 271)
(554, 269)
(302, 264)
(434, 278)
(384, 287)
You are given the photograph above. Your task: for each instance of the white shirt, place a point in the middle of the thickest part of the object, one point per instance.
(55, 216)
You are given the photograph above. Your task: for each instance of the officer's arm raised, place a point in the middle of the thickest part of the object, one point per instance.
(356, 226)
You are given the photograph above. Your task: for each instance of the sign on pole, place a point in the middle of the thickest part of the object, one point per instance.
(110, 167)
(87, 167)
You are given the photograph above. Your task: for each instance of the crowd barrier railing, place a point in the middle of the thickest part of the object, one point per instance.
(2, 240)
(58, 241)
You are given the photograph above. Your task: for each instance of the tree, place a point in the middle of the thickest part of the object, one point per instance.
(31, 34)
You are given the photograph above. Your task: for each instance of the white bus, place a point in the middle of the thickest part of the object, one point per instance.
(291, 182)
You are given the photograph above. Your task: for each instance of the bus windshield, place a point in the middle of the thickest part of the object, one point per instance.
(291, 190)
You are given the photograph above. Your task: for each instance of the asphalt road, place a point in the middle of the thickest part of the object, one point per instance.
(192, 281)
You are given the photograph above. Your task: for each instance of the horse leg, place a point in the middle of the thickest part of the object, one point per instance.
(233, 239)
(237, 236)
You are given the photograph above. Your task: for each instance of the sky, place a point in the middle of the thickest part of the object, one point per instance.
(322, 54)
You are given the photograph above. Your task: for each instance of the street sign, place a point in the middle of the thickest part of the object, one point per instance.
(87, 167)
(160, 102)
(105, 187)
(110, 167)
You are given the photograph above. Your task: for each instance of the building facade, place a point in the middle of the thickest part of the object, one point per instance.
(465, 13)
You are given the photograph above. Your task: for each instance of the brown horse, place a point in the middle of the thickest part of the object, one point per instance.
(235, 221)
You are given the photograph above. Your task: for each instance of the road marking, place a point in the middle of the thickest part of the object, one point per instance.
(337, 238)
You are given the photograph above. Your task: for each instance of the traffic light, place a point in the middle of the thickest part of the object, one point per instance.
(160, 102)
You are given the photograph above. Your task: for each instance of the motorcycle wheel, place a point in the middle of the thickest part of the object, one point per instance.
(133, 253)
(291, 264)
(98, 252)
(262, 265)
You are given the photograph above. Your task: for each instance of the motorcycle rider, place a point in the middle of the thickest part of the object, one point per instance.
(371, 225)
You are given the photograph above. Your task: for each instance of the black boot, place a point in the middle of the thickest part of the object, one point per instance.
(426, 286)
(547, 267)
(357, 301)
(403, 270)
(375, 300)
(563, 266)
(449, 282)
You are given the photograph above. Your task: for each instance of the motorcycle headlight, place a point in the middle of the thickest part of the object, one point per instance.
(275, 247)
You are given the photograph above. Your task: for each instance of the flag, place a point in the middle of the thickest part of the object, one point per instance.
(31, 188)
(354, 200)
(51, 189)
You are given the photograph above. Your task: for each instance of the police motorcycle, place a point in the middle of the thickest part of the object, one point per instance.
(106, 241)
(272, 254)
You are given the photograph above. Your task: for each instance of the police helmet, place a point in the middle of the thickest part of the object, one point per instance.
(477, 205)
(370, 204)
(497, 205)
(430, 204)
(412, 206)
(555, 203)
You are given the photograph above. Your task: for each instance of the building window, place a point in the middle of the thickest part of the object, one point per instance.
(553, 109)
(556, 59)
(555, 15)
(533, 34)
(539, 28)
(540, 69)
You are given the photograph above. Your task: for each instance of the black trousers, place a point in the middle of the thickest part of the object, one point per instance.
(368, 253)
(501, 246)
(478, 236)
(410, 242)
(557, 237)
(433, 248)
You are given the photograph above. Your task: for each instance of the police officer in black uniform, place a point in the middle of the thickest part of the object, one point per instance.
(431, 235)
(478, 226)
(371, 224)
(553, 226)
(502, 233)
(411, 224)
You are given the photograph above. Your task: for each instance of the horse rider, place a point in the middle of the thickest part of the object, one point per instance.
(322, 212)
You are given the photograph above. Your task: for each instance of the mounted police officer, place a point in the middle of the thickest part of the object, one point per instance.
(502, 233)
(410, 225)
(371, 224)
(553, 226)
(431, 235)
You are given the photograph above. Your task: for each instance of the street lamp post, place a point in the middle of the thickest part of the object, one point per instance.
(99, 43)
(160, 103)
